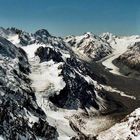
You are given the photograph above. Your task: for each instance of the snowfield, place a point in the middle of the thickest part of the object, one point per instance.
(30, 49)
(45, 76)
(46, 81)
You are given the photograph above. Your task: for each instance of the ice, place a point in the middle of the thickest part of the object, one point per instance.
(30, 49)
(14, 39)
(1, 138)
(46, 76)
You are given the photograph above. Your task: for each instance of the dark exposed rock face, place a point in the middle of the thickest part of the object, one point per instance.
(80, 90)
(43, 129)
(42, 33)
(43, 36)
(83, 137)
(47, 54)
(17, 100)
(77, 92)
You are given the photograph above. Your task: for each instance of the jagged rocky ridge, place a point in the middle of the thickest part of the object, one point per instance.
(109, 37)
(80, 90)
(22, 38)
(20, 115)
(89, 45)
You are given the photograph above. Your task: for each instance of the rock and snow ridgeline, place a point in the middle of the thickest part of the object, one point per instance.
(20, 116)
(89, 45)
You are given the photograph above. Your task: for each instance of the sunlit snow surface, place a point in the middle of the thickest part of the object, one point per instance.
(1, 138)
(46, 76)
(14, 39)
(119, 47)
(58, 119)
(30, 49)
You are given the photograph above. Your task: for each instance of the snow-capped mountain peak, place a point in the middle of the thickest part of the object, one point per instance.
(42, 32)
(89, 45)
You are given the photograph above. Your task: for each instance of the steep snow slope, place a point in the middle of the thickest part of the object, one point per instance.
(120, 45)
(20, 116)
(89, 45)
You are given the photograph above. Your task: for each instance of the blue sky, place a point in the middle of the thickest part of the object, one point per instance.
(64, 17)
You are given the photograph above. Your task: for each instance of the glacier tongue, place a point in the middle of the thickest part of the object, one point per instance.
(120, 46)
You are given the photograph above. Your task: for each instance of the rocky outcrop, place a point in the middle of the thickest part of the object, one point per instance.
(24, 38)
(46, 54)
